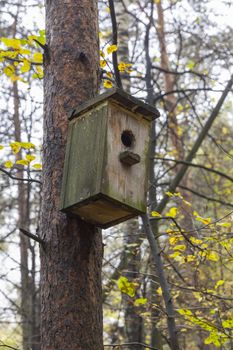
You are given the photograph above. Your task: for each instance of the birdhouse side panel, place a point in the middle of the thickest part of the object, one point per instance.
(126, 181)
(85, 157)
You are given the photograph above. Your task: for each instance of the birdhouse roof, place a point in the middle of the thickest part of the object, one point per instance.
(121, 98)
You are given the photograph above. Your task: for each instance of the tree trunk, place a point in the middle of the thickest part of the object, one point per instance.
(72, 255)
(23, 220)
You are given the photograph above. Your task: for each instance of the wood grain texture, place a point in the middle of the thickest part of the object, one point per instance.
(121, 182)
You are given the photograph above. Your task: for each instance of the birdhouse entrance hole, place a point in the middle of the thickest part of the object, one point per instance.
(127, 138)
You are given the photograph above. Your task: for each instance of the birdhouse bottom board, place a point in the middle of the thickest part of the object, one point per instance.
(103, 211)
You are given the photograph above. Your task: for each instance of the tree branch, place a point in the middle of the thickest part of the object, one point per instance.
(163, 283)
(19, 178)
(129, 344)
(206, 197)
(32, 236)
(217, 172)
(181, 173)
(114, 42)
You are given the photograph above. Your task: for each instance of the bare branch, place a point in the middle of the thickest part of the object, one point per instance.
(19, 178)
(177, 161)
(181, 173)
(114, 42)
(129, 344)
(32, 236)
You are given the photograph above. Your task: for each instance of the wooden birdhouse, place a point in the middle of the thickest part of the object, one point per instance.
(105, 172)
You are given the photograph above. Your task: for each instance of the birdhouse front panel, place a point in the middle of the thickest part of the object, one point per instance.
(105, 171)
(125, 173)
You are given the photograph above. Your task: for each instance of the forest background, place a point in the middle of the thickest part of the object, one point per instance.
(177, 56)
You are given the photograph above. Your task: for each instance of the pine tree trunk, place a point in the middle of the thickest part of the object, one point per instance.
(72, 255)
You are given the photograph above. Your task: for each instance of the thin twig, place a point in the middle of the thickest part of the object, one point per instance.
(32, 236)
(114, 42)
(19, 178)
(130, 344)
(177, 161)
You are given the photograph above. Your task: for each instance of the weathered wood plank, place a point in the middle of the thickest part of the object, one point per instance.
(121, 182)
(83, 170)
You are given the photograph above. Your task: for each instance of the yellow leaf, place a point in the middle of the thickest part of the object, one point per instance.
(178, 194)
(212, 256)
(219, 283)
(24, 52)
(174, 240)
(205, 221)
(190, 258)
(14, 78)
(126, 286)
(226, 244)
(22, 162)
(111, 49)
(121, 66)
(15, 147)
(224, 224)
(37, 166)
(181, 247)
(185, 312)
(39, 72)
(102, 54)
(175, 255)
(140, 301)
(228, 323)
(159, 291)
(108, 84)
(30, 157)
(8, 54)
(204, 246)
(109, 74)
(103, 63)
(195, 240)
(156, 214)
(172, 212)
(25, 67)
(8, 164)
(1, 147)
(169, 194)
(14, 43)
(38, 57)
(9, 70)
(27, 145)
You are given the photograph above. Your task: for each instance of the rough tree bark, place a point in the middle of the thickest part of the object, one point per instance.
(72, 255)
